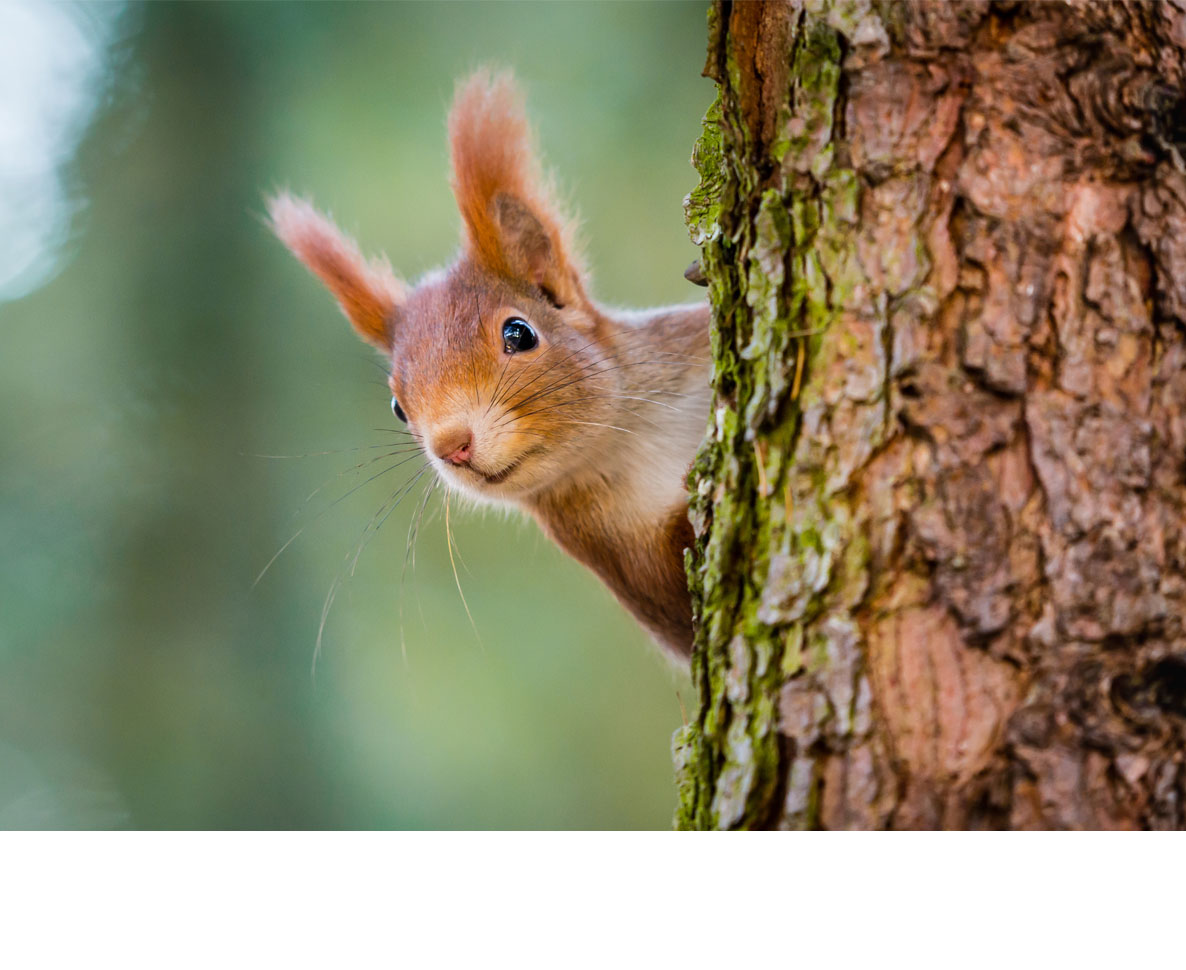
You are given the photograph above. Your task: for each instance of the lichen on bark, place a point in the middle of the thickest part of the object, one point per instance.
(773, 303)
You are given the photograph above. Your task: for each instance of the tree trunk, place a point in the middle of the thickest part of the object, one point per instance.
(941, 508)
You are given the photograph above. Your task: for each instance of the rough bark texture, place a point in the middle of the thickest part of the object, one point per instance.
(941, 510)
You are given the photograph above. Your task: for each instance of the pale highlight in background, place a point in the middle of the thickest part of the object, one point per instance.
(53, 76)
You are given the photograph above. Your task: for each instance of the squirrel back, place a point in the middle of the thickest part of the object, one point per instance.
(520, 388)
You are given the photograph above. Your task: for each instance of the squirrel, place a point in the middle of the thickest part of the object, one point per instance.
(518, 386)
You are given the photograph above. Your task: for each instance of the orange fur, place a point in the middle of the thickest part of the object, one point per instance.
(493, 165)
(643, 567)
(368, 292)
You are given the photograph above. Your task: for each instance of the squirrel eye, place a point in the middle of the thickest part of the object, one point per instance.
(398, 411)
(518, 336)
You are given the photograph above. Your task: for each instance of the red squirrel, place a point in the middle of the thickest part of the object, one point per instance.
(519, 388)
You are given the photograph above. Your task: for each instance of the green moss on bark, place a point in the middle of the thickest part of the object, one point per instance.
(775, 283)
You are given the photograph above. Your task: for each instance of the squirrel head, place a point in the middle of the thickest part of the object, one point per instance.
(493, 361)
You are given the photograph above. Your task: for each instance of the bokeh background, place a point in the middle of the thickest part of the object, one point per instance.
(155, 340)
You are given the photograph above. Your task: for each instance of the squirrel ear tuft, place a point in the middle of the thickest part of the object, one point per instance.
(511, 224)
(368, 292)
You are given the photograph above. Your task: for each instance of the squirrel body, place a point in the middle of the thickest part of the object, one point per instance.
(520, 388)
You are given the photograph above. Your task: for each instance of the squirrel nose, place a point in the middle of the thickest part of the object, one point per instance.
(456, 447)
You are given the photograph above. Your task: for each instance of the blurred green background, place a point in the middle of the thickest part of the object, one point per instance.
(144, 681)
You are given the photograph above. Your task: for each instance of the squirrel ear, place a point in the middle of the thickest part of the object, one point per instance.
(369, 293)
(511, 224)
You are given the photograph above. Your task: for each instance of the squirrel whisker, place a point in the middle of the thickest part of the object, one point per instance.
(320, 454)
(397, 497)
(582, 400)
(410, 553)
(579, 350)
(334, 503)
(368, 532)
(555, 364)
(585, 372)
(547, 370)
(512, 409)
(598, 424)
(411, 450)
(494, 393)
(457, 578)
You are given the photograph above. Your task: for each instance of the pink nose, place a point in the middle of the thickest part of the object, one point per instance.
(456, 448)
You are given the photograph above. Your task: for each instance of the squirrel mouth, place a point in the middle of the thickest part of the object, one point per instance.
(499, 477)
(502, 476)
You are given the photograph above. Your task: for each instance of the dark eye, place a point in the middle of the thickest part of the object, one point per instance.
(517, 336)
(398, 411)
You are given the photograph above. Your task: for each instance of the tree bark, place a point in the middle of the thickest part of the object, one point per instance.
(941, 507)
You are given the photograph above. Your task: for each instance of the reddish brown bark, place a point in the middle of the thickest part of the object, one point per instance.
(961, 580)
